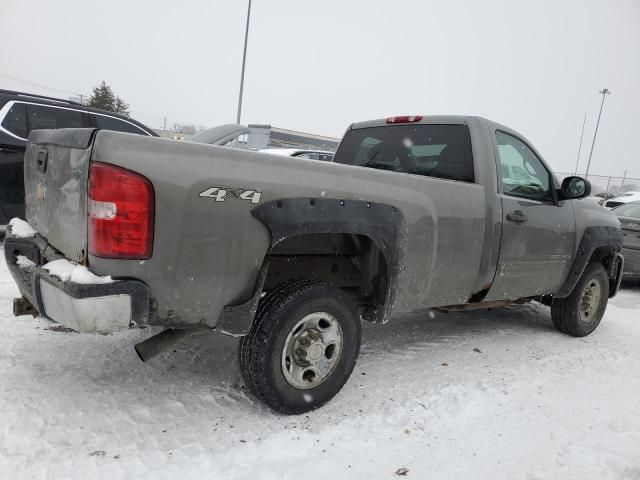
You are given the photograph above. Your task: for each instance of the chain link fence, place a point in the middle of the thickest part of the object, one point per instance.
(608, 184)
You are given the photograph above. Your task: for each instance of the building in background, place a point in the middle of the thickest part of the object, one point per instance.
(258, 137)
(281, 137)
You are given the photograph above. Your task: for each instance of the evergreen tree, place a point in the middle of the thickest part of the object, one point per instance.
(121, 107)
(103, 98)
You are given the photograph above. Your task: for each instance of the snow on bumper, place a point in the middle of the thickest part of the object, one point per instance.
(84, 307)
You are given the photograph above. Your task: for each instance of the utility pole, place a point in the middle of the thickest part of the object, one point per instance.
(623, 179)
(575, 172)
(604, 92)
(244, 59)
(165, 124)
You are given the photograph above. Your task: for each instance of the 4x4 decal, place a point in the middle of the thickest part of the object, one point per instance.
(220, 194)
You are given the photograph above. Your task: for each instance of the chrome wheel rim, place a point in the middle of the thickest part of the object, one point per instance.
(312, 350)
(590, 300)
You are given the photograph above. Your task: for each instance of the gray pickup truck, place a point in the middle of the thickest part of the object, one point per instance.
(445, 212)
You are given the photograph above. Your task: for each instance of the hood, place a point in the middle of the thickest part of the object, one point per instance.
(590, 214)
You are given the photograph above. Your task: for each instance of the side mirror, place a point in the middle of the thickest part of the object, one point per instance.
(575, 187)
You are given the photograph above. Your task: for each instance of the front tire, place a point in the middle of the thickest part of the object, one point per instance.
(580, 313)
(302, 346)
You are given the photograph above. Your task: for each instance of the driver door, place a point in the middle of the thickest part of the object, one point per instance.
(538, 234)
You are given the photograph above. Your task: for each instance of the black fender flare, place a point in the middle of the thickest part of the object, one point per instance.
(383, 224)
(608, 241)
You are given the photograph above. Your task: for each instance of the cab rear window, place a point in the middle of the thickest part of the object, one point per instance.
(441, 151)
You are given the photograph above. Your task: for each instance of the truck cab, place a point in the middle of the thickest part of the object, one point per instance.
(530, 230)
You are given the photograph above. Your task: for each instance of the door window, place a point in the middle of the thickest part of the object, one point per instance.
(523, 174)
(42, 116)
(111, 123)
(16, 120)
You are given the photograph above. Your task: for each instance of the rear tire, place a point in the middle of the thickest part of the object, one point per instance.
(580, 313)
(302, 346)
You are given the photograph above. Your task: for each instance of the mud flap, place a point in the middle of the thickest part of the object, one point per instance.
(236, 320)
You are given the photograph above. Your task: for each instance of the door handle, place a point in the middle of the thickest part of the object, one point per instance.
(518, 216)
(41, 160)
(8, 151)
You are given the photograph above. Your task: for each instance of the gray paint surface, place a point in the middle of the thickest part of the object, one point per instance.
(208, 254)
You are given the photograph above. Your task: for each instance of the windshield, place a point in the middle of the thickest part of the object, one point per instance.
(628, 210)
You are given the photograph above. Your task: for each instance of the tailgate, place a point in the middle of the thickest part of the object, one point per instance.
(56, 165)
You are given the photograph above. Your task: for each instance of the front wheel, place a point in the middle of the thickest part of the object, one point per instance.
(302, 347)
(580, 313)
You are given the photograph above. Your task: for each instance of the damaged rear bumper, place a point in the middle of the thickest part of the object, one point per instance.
(93, 308)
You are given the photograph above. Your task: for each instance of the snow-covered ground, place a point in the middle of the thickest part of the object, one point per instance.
(497, 395)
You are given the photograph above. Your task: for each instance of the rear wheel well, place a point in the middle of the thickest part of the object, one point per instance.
(352, 262)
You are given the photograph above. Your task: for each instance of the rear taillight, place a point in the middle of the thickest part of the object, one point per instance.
(121, 211)
(404, 119)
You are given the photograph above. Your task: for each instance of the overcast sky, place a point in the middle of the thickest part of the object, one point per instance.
(536, 66)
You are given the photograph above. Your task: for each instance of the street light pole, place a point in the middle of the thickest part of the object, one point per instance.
(244, 59)
(575, 172)
(604, 92)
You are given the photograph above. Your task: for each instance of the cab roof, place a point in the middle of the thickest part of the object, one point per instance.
(415, 119)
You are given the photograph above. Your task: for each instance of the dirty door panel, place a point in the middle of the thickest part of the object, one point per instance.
(535, 255)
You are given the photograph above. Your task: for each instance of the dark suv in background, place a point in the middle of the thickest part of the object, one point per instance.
(20, 113)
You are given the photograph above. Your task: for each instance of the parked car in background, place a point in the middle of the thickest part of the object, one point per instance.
(595, 199)
(300, 153)
(603, 197)
(20, 113)
(223, 135)
(621, 199)
(263, 137)
(629, 216)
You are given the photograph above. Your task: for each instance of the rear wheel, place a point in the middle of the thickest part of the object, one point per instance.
(580, 313)
(302, 347)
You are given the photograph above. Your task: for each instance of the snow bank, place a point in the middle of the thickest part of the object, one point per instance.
(21, 229)
(83, 275)
(66, 270)
(24, 262)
